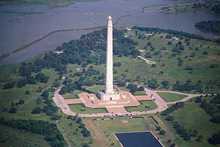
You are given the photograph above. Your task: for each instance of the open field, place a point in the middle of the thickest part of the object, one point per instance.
(144, 106)
(29, 94)
(80, 108)
(192, 117)
(169, 97)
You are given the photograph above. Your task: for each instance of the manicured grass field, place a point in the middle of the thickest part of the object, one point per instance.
(169, 97)
(139, 93)
(80, 108)
(145, 105)
(95, 88)
(72, 95)
(192, 117)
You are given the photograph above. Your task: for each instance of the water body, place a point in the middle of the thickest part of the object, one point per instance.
(138, 139)
(21, 24)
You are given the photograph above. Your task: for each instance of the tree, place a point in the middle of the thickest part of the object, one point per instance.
(214, 139)
(45, 94)
(152, 83)
(9, 85)
(165, 84)
(41, 78)
(12, 110)
(36, 110)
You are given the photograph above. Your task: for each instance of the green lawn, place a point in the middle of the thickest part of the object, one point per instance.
(72, 95)
(95, 88)
(192, 117)
(139, 93)
(145, 105)
(170, 97)
(80, 108)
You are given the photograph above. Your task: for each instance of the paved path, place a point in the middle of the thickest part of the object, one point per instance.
(147, 60)
(160, 102)
(188, 96)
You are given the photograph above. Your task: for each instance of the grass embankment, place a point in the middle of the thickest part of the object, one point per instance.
(170, 97)
(71, 132)
(144, 106)
(193, 118)
(80, 108)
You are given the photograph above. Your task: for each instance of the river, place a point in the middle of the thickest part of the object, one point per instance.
(21, 24)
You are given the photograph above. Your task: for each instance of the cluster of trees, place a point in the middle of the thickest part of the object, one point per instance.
(87, 77)
(172, 108)
(83, 130)
(25, 71)
(211, 106)
(134, 87)
(14, 105)
(152, 83)
(69, 86)
(214, 139)
(209, 26)
(89, 49)
(91, 77)
(213, 5)
(173, 32)
(48, 130)
(183, 132)
(26, 79)
(179, 47)
(188, 86)
(49, 108)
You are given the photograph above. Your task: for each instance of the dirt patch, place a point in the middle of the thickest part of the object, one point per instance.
(98, 135)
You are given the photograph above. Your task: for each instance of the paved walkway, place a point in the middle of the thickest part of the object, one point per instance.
(121, 111)
(188, 96)
(147, 60)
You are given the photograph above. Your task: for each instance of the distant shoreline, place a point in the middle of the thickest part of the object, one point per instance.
(174, 32)
(49, 3)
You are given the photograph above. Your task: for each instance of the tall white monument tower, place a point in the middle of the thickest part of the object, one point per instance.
(109, 56)
(109, 91)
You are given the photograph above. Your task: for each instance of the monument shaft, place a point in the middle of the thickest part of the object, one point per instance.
(109, 56)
